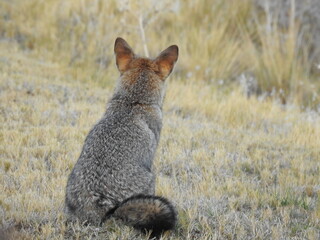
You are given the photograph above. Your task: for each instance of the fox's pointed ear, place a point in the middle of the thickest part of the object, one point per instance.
(166, 60)
(124, 54)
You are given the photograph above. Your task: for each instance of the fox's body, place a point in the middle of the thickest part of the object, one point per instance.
(113, 176)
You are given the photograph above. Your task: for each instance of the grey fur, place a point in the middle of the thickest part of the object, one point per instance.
(116, 160)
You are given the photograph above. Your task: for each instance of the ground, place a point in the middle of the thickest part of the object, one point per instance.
(234, 167)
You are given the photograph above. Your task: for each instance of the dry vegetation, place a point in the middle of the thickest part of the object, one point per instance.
(235, 167)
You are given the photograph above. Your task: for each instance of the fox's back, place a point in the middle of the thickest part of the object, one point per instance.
(125, 135)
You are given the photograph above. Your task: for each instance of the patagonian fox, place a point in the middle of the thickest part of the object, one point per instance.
(113, 176)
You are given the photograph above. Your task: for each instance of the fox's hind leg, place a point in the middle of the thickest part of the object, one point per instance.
(92, 211)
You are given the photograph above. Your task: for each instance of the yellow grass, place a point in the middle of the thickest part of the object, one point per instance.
(235, 167)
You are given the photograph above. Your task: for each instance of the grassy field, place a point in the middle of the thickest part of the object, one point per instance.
(235, 167)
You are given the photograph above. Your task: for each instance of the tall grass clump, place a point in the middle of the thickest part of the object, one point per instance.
(281, 57)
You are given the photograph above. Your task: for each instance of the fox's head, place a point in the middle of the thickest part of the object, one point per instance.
(142, 79)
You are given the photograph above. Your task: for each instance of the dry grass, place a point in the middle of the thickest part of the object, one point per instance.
(235, 167)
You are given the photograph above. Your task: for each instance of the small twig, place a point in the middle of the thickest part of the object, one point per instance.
(143, 36)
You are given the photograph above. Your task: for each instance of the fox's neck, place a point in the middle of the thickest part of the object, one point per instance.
(136, 100)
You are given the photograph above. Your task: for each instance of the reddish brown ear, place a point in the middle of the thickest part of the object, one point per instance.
(167, 59)
(124, 54)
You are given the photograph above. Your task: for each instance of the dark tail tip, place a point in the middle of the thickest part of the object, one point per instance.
(147, 212)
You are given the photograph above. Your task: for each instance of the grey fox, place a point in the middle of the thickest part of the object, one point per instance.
(113, 176)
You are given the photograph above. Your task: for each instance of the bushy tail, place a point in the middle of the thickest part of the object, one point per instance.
(147, 212)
